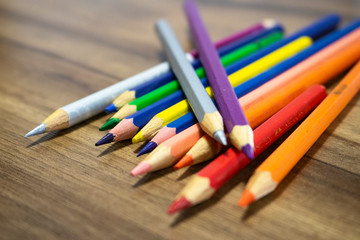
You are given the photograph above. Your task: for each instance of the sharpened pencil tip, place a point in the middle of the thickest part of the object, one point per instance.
(108, 138)
(248, 150)
(138, 138)
(111, 108)
(187, 160)
(148, 148)
(141, 168)
(179, 204)
(111, 123)
(36, 131)
(246, 198)
(220, 137)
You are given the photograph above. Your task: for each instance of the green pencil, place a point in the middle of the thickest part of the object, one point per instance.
(174, 86)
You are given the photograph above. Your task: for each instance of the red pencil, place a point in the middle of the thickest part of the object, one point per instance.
(205, 183)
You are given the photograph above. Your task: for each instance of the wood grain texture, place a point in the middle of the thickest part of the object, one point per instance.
(59, 186)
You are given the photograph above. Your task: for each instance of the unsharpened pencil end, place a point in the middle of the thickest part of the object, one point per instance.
(111, 108)
(108, 138)
(178, 205)
(220, 137)
(138, 138)
(141, 168)
(148, 148)
(36, 131)
(187, 160)
(246, 198)
(111, 123)
(248, 150)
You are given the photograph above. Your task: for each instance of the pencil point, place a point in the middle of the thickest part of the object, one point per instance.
(246, 198)
(108, 138)
(141, 168)
(148, 148)
(111, 123)
(220, 137)
(138, 138)
(179, 204)
(248, 150)
(111, 108)
(36, 131)
(187, 160)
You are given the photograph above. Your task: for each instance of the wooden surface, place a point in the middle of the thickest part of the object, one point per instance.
(59, 186)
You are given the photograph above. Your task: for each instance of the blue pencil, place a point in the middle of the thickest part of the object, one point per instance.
(188, 119)
(129, 126)
(165, 78)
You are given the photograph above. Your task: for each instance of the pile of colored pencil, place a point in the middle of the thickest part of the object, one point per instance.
(234, 98)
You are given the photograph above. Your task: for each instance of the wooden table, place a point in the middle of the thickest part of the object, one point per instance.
(59, 186)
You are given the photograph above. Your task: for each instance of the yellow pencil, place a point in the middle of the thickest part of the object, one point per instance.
(274, 169)
(237, 78)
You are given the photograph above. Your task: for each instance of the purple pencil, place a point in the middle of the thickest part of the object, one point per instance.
(236, 124)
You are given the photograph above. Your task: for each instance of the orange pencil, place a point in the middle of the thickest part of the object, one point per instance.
(274, 169)
(328, 63)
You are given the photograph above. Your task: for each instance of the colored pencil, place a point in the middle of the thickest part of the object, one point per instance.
(274, 34)
(142, 89)
(275, 168)
(170, 151)
(171, 129)
(315, 30)
(206, 182)
(130, 125)
(187, 120)
(236, 124)
(204, 109)
(244, 74)
(93, 104)
(129, 128)
(318, 69)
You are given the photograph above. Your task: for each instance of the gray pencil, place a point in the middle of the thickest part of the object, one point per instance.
(204, 109)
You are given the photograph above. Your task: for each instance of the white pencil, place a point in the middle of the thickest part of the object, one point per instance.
(95, 103)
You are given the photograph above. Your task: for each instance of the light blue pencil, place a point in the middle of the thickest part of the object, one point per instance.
(204, 109)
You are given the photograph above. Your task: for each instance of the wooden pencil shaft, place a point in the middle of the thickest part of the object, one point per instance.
(193, 89)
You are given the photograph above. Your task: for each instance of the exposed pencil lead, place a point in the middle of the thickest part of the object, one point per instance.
(248, 150)
(184, 162)
(148, 148)
(179, 204)
(138, 138)
(141, 168)
(111, 108)
(108, 138)
(220, 137)
(36, 131)
(246, 198)
(111, 123)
